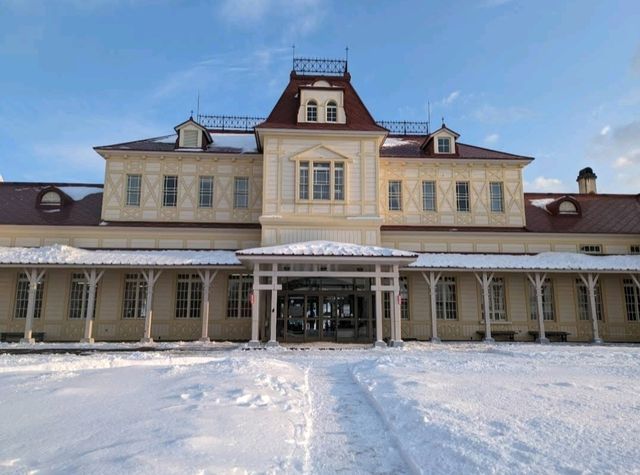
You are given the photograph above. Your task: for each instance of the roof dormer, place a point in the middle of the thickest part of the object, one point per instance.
(51, 198)
(321, 103)
(192, 135)
(441, 142)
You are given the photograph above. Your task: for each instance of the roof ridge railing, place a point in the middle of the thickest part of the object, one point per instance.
(405, 127)
(229, 122)
(320, 66)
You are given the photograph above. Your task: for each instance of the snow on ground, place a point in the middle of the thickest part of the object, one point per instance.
(450, 408)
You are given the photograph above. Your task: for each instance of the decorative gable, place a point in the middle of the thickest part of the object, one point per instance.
(320, 152)
(321, 103)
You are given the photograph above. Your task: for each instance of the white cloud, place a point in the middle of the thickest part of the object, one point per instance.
(492, 138)
(622, 162)
(605, 130)
(451, 98)
(494, 115)
(544, 184)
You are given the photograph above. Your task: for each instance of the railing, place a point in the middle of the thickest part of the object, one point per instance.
(229, 122)
(322, 67)
(404, 127)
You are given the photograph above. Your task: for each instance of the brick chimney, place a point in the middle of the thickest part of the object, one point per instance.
(587, 181)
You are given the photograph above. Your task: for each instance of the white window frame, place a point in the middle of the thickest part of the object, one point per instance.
(79, 297)
(239, 287)
(205, 196)
(188, 296)
(170, 191)
(332, 111)
(496, 196)
(463, 197)
(312, 110)
(447, 298)
(444, 143)
(497, 300)
(634, 249)
(394, 195)
(631, 300)
(133, 190)
(22, 297)
(310, 190)
(241, 196)
(582, 301)
(548, 301)
(190, 138)
(387, 298)
(134, 298)
(593, 249)
(429, 197)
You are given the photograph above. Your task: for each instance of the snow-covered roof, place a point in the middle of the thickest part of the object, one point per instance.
(545, 261)
(71, 256)
(326, 248)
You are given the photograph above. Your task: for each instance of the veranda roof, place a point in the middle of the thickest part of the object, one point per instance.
(71, 256)
(545, 261)
(326, 249)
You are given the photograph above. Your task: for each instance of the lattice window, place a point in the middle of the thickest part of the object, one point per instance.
(444, 145)
(241, 192)
(395, 195)
(239, 286)
(634, 249)
(134, 303)
(631, 300)
(582, 295)
(79, 297)
(338, 181)
(429, 197)
(497, 300)
(188, 296)
(332, 111)
(205, 195)
(304, 181)
(321, 180)
(446, 301)
(462, 196)
(591, 249)
(404, 300)
(170, 191)
(312, 111)
(496, 196)
(22, 297)
(133, 190)
(548, 309)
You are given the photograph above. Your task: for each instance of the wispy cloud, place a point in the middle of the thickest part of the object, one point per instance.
(450, 99)
(495, 115)
(605, 130)
(544, 184)
(492, 139)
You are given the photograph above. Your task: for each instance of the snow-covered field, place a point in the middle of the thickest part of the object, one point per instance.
(450, 408)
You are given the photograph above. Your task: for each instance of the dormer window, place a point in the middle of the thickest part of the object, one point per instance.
(312, 111)
(567, 207)
(51, 199)
(444, 145)
(332, 111)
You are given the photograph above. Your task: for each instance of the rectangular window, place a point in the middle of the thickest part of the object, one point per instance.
(188, 296)
(190, 138)
(79, 297)
(22, 297)
(497, 300)
(304, 181)
(338, 181)
(395, 196)
(496, 197)
(239, 287)
(582, 294)
(462, 196)
(205, 196)
(446, 302)
(591, 249)
(631, 300)
(429, 196)
(547, 301)
(404, 300)
(321, 181)
(444, 145)
(241, 192)
(634, 249)
(170, 191)
(133, 190)
(134, 303)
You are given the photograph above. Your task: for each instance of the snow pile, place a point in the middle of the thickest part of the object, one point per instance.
(77, 193)
(542, 202)
(245, 143)
(558, 261)
(325, 248)
(67, 255)
(395, 142)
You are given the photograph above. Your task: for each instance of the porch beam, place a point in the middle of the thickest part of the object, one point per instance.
(591, 282)
(319, 273)
(537, 280)
(35, 277)
(432, 279)
(93, 277)
(485, 281)
(207, 278)
(151, 276)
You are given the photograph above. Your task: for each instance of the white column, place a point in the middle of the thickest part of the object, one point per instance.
(485, 281)
(92, 277)
(591, 281)
(397, 310)
(537, 280)
(432, 281)
(151, 276)
(35, 277)
(255, 309)
(378, 283)
(207, 280)
(274, 306)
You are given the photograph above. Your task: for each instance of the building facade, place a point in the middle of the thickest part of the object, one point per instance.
(316, 223)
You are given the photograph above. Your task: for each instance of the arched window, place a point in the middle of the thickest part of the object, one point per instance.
(332, 111)
(51, 198)
(312, 111)
(567, 207)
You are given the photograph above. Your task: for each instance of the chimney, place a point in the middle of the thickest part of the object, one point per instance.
(587, 181)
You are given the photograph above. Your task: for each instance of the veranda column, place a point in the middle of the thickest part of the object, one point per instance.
(397, 310)
(92, 277)
(207, 279)
(591, 282)
(151, 276)
(274, 306)
(378, 283)
(255, 309)
(485, 281)
(35, 277)
(432, 281)
(537, 280)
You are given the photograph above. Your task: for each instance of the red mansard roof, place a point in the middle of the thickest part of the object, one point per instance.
(285, 113)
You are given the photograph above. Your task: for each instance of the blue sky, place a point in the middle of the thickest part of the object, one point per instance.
(556, 80)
